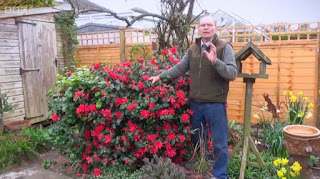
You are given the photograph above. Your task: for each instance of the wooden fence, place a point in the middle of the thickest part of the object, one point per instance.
(292, 48)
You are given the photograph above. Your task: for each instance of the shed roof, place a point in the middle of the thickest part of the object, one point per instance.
(60, 5)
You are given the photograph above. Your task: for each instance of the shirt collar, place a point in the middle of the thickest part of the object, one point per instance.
(208, 43)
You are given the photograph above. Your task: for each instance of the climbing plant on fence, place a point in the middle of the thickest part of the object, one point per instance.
(113, 114)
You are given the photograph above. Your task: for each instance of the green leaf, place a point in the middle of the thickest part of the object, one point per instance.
(99, 104)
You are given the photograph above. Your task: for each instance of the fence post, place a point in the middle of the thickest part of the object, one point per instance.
(122, 44)
(318, 89)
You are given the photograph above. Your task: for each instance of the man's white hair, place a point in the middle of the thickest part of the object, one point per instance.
(207, 17)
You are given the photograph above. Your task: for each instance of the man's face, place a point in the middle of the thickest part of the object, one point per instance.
(207, 28)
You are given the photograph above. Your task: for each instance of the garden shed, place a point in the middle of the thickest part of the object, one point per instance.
(31, 53)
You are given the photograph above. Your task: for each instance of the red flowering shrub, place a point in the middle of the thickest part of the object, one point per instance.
(114, 114)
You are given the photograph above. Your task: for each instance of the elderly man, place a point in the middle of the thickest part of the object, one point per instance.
(212, 65)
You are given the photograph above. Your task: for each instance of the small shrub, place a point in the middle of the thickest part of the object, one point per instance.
(106, 114)
(117, 172)
(161, 168)
(273, 138)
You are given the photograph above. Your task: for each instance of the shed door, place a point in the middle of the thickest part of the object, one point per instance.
(38, 65)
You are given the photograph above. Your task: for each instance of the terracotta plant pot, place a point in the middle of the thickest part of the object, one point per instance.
(17, 125)
(301, 131)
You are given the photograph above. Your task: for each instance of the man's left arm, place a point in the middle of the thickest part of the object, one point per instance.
(227, 67)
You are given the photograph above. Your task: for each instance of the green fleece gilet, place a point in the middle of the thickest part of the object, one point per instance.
(206, 84)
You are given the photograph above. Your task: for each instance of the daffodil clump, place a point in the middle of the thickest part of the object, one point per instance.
(284, 171)
(297, 107)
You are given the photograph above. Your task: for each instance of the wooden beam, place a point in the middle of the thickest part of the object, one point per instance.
(122, 45)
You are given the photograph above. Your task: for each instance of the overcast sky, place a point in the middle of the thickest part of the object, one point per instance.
(255, 11)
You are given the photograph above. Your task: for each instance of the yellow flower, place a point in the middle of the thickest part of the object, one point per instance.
(277, 162)
(309, 114)
(256, 116)
(293, 99)
(285, 93)
(310, 105)
(300, 93)
(263, 108)
(279, 173)
(284, 161)
(296, 167)
(293, 174)
(283, 177)
(290, 93)
(301, 114)
(305, 98)
(283, 170)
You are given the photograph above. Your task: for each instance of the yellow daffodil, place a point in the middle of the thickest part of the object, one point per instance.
(310, 105)
(277, 162)
(296, 167)
(285, 93)
(293, 174)
(305, 98)
(290, 93)
(300, 93)
(283, 177)
(308, 115)
(293, 99)
(300, 114)
(256, 116)
(283, 170)
(279, 173)
(284, 161)
(263, 108)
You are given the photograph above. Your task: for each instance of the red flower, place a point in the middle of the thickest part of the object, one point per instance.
(103, 93)
(137, 137)
(126, 64)
(120, 101)
(106, 113)
(100, 136)
(77, 94)
(92, 108)
(132, 106)
(108, 139)
(97, 66)
(190, 112)
(210, 143)
(151, 105)
(158, 144)
(140, 84)
(145, 77)
(182, 137)
(96, 157)
(151, 137)
(152, 62)
(97, 172)
(144, 114)
(185, 118)
(171, 152)
(105, 161)
(170, 136)
(165, 52)
(55, 117)
(174, 49)
(89, 159)
(68, 73)
(117, 114)
(124, 139)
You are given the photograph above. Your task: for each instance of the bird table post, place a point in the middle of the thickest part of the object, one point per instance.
(246, 141)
